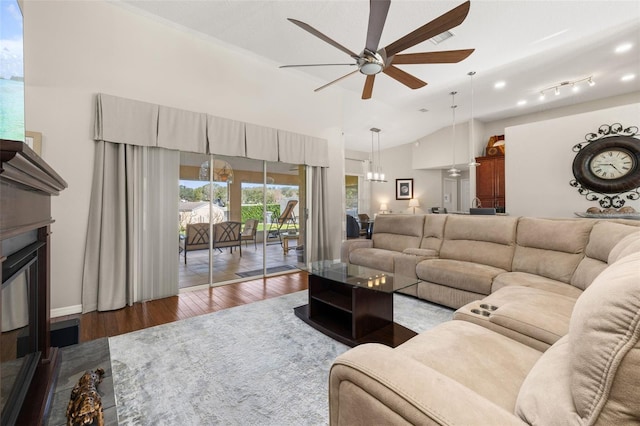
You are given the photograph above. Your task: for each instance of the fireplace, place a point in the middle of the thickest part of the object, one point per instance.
(28, 364)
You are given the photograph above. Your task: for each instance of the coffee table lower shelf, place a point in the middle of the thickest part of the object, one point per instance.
(391, 334)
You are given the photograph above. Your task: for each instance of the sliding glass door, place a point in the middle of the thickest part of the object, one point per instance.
(239, 219)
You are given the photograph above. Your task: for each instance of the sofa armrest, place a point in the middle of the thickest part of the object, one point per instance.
(349, 245)
(426, 253)
(374, 384)
(405, 264)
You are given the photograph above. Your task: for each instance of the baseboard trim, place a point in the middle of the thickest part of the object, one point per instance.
(67, 310)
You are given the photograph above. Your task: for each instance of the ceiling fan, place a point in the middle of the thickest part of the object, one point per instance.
(372, 61)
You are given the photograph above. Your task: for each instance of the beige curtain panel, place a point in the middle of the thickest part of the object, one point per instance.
(131, 237)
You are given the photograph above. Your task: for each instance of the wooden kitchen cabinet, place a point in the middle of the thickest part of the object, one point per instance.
(490, 182)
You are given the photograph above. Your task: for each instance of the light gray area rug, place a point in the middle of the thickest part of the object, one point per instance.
(255, 364)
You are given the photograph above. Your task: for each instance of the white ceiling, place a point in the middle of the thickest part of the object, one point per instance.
(530, 45)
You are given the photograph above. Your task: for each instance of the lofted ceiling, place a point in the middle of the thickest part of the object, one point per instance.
(530, 45)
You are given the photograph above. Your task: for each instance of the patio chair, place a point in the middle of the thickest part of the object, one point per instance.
(287, 217)
(227, 234)
(249, 232)
(196, 238)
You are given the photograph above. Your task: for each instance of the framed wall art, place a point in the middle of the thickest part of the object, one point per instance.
(404, 189)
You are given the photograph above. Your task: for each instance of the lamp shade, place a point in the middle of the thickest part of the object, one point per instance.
(414, 202)
(383, 207)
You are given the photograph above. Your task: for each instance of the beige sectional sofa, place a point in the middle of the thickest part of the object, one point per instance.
(462, 258)
(553, 338)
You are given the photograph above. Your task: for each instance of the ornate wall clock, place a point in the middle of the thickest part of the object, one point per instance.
(607, 165)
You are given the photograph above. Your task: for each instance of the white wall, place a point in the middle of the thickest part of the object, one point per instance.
(74, 50)
(539, 158)
(427, 184)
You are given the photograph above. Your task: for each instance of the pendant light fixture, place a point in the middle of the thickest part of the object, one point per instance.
(472, 162)
(376, 174)
(453, 172)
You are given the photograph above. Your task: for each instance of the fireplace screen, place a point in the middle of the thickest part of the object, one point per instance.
(19, 356)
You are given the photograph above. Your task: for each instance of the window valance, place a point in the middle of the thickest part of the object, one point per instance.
(126, 121)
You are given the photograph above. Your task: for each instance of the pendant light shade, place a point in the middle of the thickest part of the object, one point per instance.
(376, 174)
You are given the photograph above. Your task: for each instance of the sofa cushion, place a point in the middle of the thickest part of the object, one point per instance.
(550, 248)
(591, 375)
(536, 281)
(484, 240)
(397, 232)
(626, 246)
(603, 238)
(488, 363)
(433, 232)
(468, 276)
(373, 258)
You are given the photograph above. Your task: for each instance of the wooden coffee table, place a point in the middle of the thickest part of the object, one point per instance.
(354, 304)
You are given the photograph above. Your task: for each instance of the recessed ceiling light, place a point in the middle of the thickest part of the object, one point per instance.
(499, 84)
(522, 102)
(628, 77)
(624, 47)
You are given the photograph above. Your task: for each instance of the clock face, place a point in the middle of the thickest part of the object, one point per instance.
(612, 164)
(609, 166)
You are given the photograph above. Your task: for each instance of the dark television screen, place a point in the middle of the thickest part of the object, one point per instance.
(11, 72)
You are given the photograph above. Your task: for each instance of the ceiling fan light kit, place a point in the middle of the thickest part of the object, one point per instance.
(373, 61)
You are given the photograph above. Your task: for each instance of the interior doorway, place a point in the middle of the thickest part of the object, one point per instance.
(450, 194)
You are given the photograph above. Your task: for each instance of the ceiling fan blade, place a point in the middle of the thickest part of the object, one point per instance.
(404, 77)
(443, 23)
(335, 81)
(368, 87)
(323, 37)
(443, 57)
(315, 65)
(378, 10)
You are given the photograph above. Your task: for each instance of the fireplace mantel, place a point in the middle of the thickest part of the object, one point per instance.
(26, 185)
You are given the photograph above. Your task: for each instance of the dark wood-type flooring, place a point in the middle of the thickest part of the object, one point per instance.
(95, 325)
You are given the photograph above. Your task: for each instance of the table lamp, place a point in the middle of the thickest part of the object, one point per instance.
(414, 203)
(383, 208)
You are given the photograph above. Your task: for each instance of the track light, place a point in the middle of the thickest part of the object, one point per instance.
(573, 83)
